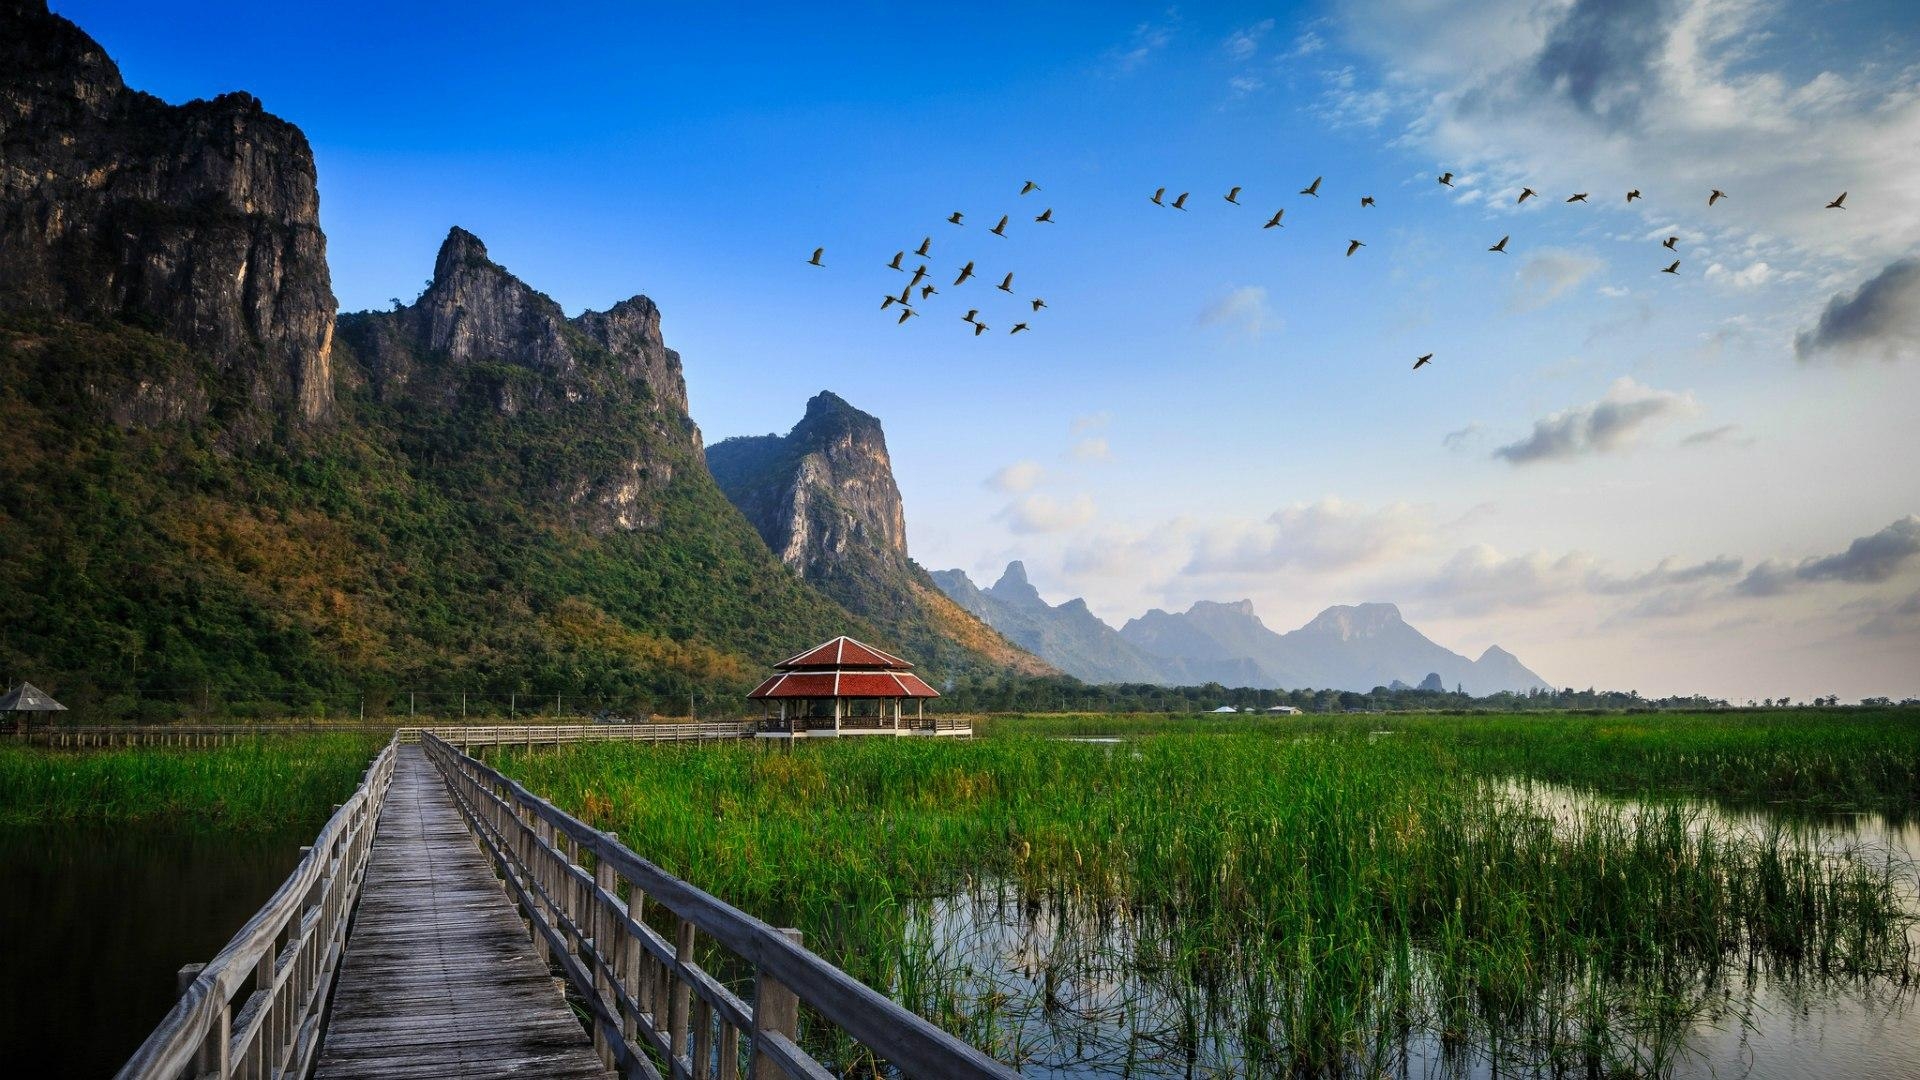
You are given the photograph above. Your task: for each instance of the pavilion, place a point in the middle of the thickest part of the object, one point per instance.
(844, 687)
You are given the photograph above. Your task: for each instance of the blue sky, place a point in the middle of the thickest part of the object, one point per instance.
(1629, 479)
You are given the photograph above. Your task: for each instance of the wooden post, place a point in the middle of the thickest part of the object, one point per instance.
(605, 939)
(775, 1009)
(677, 1008)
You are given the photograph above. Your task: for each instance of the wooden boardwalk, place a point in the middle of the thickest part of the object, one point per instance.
(440, 979)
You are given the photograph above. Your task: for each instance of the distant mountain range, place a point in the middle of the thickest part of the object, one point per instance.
(1354, 647)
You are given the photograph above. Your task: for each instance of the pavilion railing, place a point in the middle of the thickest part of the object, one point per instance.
(284, 958)
(646, 997)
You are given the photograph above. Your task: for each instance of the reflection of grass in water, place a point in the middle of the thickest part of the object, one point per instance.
(1243, 903)
(262, 783)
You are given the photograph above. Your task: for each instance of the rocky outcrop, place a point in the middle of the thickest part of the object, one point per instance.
(200, 221)
(823, 497)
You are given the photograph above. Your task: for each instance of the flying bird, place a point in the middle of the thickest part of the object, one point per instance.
(1274, 221)
(1837, 204)
(1582, 197)
(1038, 303)
(1181, 202)
(1045, 215)
(1029, 186)
(1234, 196)
(1445, 178)
(817, 252)
(1422, 361)
(907, 313)
(918, 273)
(971, 312)
(888, 301)
(927, 290)
(1672, 268)
(1632, 195)
(1715, 196)
(1313, 189)
(1000, 229)
(1017, 327)
(1353, 246)
(1006, 283)
(965, 273)
(1669, 242)
(1366, 200)
(979, 328)
(1525, 194)
(895, 264)
(924, 245)
(1155, 198)
(906, 295)
(956, 218)
(1501, 247)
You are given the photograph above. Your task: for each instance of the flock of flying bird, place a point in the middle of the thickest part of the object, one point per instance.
(1179, 202)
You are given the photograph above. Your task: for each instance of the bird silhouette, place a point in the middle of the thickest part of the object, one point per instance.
(928, 290)
(1180, 203)
(1445, 178)
(1234, 196)
(907, 313)
(1006, 283)
(1501, 247)
(1313, 189)
(1017, 327)
(1353, 246)
(1155, 198)
(888, 301)
(1274, 221)
(1045, 215)
(906, 295)
(1525, 194)
(1715, 196)
(1837, 204)
(1582, 197)
(1029, 186)
(1000, 229)
(971, 312)
(1672, 268)
(1422, 361)
(1632, 195)
(955, 219)
(965, 273)
(924, 245)
(895, 264)
(1669, 242)
(1366, 200)
(918, 273)
(817, 252)
(1038, 303)
(979, 328)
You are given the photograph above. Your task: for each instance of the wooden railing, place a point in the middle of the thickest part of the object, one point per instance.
(644, 993)
(284, 958)
(531, 735)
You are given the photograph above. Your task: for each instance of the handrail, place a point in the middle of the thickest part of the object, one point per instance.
(644, 992)
(288, 953)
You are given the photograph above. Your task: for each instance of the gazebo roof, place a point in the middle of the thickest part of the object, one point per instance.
(29, 698)
(841, 654)
(844, 684)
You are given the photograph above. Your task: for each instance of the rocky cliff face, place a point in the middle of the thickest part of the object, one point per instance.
(200, 221)
(824, 499)
(479, 338)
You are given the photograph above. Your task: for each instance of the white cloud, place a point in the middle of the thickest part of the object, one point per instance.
(1242, 44)
(1880, 319)
(1094, 448)
(1040, 513)
(1547, 275)
(1328, 536)
(1016, 478)
(1243, 310)
(1089, 422)
(1465, 439)
(1751, 276)
(1147, 39)
(1611, 424)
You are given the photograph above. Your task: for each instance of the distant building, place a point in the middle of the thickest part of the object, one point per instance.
(1285, 710)
(844, 687)
(1226, 708)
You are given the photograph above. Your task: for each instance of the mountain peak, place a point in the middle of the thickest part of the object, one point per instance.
(1242, 608)
(1014, 587)
(1015, 574)
(1495, 652)
(1348, 621)
(460, 246)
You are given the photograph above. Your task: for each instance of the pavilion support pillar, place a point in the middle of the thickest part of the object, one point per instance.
(837, 707)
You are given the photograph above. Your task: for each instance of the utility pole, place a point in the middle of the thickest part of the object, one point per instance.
(463, 704)
(409, 704)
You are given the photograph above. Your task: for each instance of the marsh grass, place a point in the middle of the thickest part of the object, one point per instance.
(1246, 904)
(266, 783)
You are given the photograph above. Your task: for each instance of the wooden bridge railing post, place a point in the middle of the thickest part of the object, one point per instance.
(776, 1011)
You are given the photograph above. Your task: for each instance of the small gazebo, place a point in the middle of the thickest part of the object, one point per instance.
(28, 698)
(842, 687)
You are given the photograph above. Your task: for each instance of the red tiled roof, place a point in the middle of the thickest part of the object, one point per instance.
(844, 684)
(843, 652)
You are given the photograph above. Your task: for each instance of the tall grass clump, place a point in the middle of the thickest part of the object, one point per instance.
(1246, 903)
(259, 784)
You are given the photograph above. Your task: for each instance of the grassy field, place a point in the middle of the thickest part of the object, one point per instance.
(1293, 895)
(267, 783)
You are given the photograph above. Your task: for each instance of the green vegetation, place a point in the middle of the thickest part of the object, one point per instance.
(1261, 902)
(260, 784)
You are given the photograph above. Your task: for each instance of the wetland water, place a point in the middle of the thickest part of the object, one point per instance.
(98, 920)
(1075, 989)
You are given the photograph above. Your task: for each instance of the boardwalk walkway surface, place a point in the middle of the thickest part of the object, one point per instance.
(441, 979)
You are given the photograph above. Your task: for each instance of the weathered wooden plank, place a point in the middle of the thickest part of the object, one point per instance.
(439, 978)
